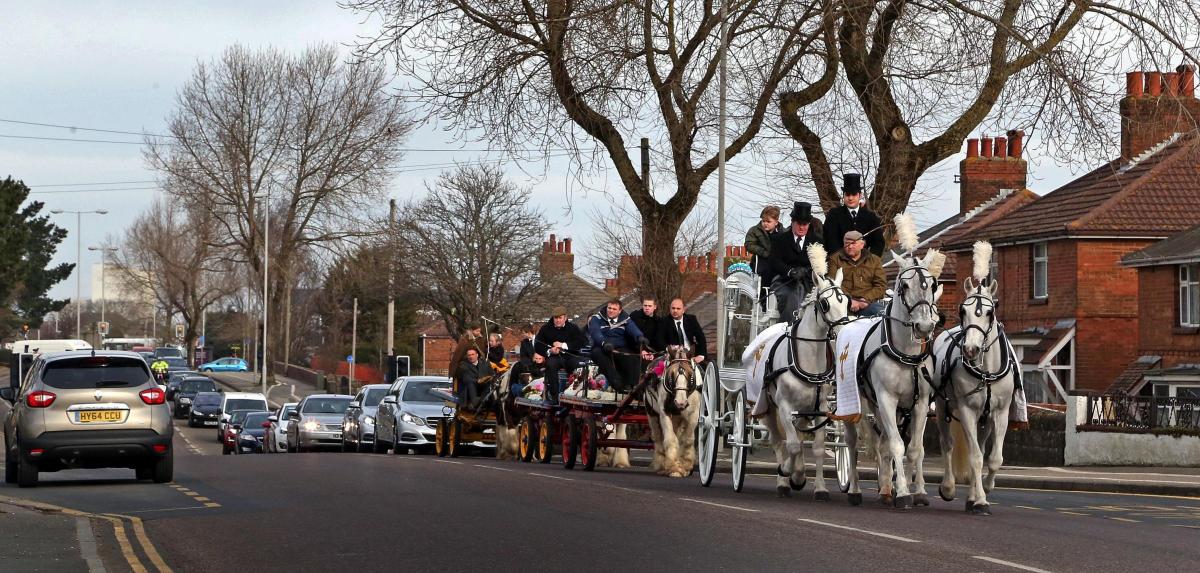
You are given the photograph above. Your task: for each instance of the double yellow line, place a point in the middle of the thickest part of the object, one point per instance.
(118, 522)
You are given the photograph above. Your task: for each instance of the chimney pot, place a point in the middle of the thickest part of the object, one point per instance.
(986, 147)
(1153, 84)
(1135, 84)
(567, 244)
(682, 264)
(1001, 147)
(1187, 80)
(553, 239)
(1016, 145)
(1171, 81)
(972, 148)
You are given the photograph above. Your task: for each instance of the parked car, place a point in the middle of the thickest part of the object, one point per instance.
(234, 401)
(100, 409)
(205, 410)
(249, 433)
(407, 417)
(169, 352)
(225, 365)
(358, 428)
(276, 439)
(188, 388)
(148, 357)
(317, 422)
(173, 380)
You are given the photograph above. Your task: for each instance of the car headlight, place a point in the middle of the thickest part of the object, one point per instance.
(185, 400)
(411, 419)
(312, 425)
(369, 421)
(249, 438)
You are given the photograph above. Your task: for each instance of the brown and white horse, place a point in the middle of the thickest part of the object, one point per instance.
(673, 407)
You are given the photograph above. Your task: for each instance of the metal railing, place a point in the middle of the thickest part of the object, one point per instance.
(1143, 412)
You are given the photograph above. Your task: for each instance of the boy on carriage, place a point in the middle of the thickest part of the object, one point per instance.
(616, 340)
(525, 372)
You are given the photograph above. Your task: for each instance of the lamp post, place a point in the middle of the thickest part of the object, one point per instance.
(266, 266)
(78, 262)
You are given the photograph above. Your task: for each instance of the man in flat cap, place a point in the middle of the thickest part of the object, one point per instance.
(789, 259)
(853, 215)
(862, 275)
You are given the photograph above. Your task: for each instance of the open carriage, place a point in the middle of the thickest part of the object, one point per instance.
(725, 413)
(462, 427)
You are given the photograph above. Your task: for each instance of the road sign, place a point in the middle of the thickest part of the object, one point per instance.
(179, 331)
(102, 328)
(350, 358)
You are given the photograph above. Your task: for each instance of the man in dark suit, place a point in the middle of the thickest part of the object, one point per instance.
(853, 215)
(789, 260)
(648, 321)
(683, 329)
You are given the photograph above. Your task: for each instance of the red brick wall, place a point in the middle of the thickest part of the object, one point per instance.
(1018, 309)
(982, 178)
(1107, 327)
(1156, 105)
(1158, 292)
(1104, 348)
(437, 356)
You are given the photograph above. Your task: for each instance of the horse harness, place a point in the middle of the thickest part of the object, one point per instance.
(985, 378)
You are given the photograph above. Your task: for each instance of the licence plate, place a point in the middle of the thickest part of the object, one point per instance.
(102, 416)
(210, 422)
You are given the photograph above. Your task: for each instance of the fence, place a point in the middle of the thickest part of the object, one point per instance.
(1145, 413)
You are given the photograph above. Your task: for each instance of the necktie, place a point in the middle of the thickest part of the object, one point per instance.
(853, 215)
(679, 328)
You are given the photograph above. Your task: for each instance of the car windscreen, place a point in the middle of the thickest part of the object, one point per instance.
(173, 362)
(234, 404)
(95, 372)
(207, 399)
(420, 391)
(287, 410)
(255, 420)
(325, 406)
(168, 352)
(374, 396)
(197, 385)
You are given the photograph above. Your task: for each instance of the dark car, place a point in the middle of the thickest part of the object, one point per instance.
(148, 357)
(186, 393)
(175, 364)
(229, 435)
(205, 410)
(250, 433)
(174, 377)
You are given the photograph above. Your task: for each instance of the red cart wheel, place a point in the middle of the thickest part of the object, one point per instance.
(588, 447)
(570, 439)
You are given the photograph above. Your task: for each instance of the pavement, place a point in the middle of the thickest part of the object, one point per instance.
(283, 390)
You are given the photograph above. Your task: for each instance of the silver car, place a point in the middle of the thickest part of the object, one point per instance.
(276, 439)
(358, 428)
(407, 417)
(317, 422)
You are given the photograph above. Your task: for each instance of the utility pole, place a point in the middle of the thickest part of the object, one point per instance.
(353, 344)
(103, 298)
(391, 307)
(721, 191)
(266, 364)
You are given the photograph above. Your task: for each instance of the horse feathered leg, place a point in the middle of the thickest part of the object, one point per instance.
(687, 434)
(620, 456)
(670, 448)
(854, 495)
(658, 465)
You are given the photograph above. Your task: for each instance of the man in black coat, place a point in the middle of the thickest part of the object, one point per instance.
(789, 260)
(853, 215)
(648, 321)
(563, 345)
(683, 329)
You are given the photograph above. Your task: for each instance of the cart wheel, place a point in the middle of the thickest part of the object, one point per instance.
(453, 437)
(570, 439)
(545, 441)
(742, 434)
(709, 427)
(841, 458)
(587, 447)
(439, 439)
(525, 440)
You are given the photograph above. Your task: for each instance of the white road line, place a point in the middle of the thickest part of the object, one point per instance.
(1028, 507)
(1187, 526)
(746, 509)
(550, 476)
(866, 531)
(629, 489)
(168, 509)
(492, 468)
(449, 462)
(87, 545)
(1009, 564)
(1125, 519)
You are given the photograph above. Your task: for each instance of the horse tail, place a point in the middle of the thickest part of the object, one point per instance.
(960, 452)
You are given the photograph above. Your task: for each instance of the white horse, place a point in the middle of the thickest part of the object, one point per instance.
(976, 381)
(797, 385)
(673, 408)
(894, 362)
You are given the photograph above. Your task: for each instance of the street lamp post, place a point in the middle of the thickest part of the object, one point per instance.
(78, 264)
(266, 266)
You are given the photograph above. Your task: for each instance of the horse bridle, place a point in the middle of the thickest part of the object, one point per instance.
(927, 283)
(673, 364)
(824, 307)
(983, 304)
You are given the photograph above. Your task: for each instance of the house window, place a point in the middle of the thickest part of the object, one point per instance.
(1041, 270)
(994, 269)
(1189, 295)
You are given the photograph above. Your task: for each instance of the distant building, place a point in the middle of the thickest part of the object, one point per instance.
(116, 286)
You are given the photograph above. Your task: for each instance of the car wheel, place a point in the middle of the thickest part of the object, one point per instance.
(207, 370)
(144, 471)
(345, 445)
(10, 468)
(164, 468)
(224, 450)
(27, 472)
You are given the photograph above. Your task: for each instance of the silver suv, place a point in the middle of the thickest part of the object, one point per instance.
(99, 409)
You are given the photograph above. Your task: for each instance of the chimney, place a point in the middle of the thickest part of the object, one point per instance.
(556, 258)
(991, 164)
(1157, 105)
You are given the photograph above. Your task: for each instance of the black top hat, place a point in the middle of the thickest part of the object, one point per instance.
(802, 212)
(851, 184)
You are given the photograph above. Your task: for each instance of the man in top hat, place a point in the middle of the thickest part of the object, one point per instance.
(789, 259)
(853, 215)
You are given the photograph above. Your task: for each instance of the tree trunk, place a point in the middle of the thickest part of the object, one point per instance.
(900, 165)
(659, 274)
(287, 325)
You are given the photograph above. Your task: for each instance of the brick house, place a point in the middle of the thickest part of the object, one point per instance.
(1068, 303)
(1168, 362)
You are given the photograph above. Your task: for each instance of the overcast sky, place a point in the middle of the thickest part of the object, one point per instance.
(117, 65)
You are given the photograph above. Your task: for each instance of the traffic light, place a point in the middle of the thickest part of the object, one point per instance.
(179, 331)
(102, 328)
(398, 366)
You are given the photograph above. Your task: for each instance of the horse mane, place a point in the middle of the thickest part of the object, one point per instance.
(981, 258)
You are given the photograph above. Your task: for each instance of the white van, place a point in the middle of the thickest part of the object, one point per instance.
(233, 401)
(44, 346)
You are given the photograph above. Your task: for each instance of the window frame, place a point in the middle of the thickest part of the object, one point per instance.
(1044, 273)
(1188, 286)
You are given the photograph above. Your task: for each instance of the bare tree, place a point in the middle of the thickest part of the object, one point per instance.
(613, 239)
(168, 252)
(553, 74)
(315, 135)
(917, 77)
(469, 248)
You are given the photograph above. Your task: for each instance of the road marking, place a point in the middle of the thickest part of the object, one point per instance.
(551, 477)
(1071, 513)
(746, 509)
(140, 530)
(1028, 507)
(1009, 564)
(202, 498)
(1187, 526)
(212, 504)
(1081, 492)
(126, 548)
(1124, 519)
(449, 462)
(630, 489)
(87, 545)
(168, 509)
(866, 531)
(492, 468)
